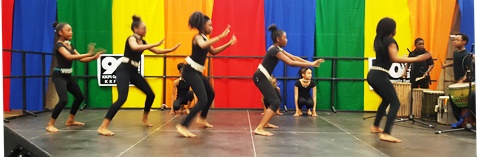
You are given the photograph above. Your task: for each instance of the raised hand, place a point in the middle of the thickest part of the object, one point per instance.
(317, 62)
(175, 47)
(99, 52)
(233, 40)
(91, 48)
(159, 43)
(225, 32)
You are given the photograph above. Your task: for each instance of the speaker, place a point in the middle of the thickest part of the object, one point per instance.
(16, 145)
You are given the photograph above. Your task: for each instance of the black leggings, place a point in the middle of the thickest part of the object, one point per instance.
(268, 91)
(181, 99)
(202, 89)
(267, 105)
(305, 102)
(64, 83)
(124, 74)
(381, 84)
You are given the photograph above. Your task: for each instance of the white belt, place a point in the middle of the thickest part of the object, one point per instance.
(127, 60)
(64, 70)
(194, 64)
(379, 68)
(264, 71)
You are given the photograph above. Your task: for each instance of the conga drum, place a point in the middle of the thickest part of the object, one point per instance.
(445, 115)
(417, 94)
(403, 91)
(429, 105)
(459, 93)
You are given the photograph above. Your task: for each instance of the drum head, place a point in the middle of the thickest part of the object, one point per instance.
(460, 85)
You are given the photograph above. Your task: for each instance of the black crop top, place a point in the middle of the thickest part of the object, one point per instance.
(62, 62)
(198, 54)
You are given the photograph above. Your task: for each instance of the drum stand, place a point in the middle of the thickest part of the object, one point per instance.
(470, 79)
(411, 116)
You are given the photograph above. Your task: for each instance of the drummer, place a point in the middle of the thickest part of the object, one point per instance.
(461, 61)
(419, 70)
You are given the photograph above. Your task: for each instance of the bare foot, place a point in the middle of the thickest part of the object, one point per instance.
(104, 131)
(298, 114)
(184, 131)
(262, 132)
(269, 125)
(74, 123)
(146, 122)
(187, 111)
(279, 113)
(375, 129)
(314, 115)
(203, 122)
(388, 138)
(51, 128)
(309, 112)
(172, 113)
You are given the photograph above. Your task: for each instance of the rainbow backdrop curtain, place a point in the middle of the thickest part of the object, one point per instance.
(7, 17)
(467, 25)
(297, 19)
(32, 31)
(177, 31)
(238, 93)
(339, 33)
(433, 24)
(91, 22)
(152, 13)
(314, 28)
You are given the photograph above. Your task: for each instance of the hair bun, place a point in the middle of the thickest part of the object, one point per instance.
(136, 18)
(272, 28)
(55, 24)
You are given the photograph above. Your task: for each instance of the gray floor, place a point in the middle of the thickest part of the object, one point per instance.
(330, 134)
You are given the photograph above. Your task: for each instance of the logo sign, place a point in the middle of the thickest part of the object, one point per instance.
(107, 65)
(395, 72)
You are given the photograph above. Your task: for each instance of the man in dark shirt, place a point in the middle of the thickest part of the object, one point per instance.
(419, 70)
(461, 61)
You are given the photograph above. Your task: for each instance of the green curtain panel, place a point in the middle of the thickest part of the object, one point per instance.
(340, 33)
(91, 21)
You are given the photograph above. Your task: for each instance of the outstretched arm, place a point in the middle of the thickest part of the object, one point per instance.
(164, 51)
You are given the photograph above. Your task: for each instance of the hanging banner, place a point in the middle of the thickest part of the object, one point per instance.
(107, 64)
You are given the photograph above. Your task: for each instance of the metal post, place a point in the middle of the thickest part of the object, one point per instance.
(333, 76)
(24, 95)
(163, 106)
(285, 108)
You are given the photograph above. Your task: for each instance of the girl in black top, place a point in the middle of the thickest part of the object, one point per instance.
(65, 54)
(195, 64)
(127, 72)
(378, 77)
(181, 93)
(302, 93)
(262, 76)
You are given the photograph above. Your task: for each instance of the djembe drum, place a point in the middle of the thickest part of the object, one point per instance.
(417, 94)
(403, 91)
(429, 105)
